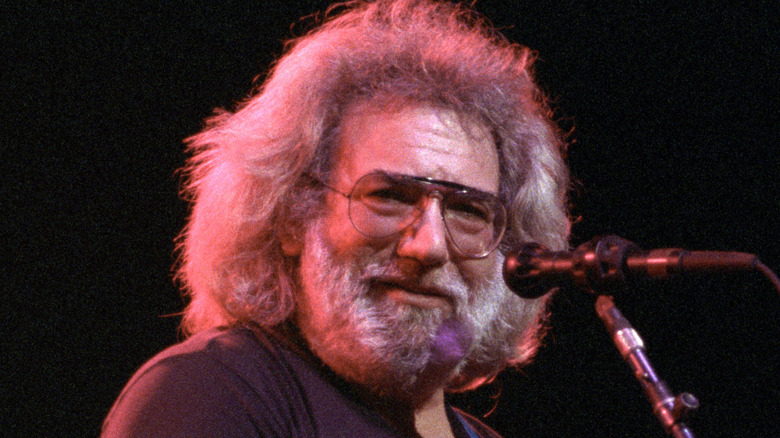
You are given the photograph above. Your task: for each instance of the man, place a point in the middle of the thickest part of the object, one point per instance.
(345, 246)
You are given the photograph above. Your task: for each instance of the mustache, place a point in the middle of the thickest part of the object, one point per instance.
(439, 281)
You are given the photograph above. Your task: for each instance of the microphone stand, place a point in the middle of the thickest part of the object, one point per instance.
(670, 410)
(603, 268)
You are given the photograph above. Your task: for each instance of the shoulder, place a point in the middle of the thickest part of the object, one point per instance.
(214, 359)
(217, 383)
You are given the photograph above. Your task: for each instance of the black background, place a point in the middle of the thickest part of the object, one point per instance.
(674, 111)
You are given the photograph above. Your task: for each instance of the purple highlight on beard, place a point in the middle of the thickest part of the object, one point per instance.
(451, 342)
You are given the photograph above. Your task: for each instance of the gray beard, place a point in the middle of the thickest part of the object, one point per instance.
(391, 349)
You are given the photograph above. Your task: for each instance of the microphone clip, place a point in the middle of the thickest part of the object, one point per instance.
(600, 264)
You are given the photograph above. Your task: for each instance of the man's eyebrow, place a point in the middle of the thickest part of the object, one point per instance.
(448, 184)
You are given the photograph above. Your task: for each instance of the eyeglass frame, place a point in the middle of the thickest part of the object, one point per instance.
(452, 187)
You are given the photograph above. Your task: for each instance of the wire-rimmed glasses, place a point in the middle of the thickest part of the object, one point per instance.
(383, 204)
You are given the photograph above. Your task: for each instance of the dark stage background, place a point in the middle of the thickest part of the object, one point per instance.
(675, 114)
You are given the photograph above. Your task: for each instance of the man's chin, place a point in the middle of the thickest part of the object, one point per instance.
(416, 354)
(393, 363)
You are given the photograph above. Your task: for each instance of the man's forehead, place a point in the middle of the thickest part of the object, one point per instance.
(418, 140)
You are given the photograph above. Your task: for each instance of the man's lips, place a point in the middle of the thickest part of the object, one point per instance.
(413, 294)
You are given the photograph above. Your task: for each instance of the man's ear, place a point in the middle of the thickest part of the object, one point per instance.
(291, 238)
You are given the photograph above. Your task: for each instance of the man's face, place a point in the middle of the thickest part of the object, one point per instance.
(417, 141)
(398, 314)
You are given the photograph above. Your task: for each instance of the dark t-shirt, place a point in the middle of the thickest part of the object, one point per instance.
(242, 383)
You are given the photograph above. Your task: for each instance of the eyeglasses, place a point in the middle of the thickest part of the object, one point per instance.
(383, 204)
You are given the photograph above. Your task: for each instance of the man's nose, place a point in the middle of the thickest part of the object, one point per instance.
(426, 239)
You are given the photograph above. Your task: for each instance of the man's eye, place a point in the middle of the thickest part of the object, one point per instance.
(470, 211)
(390, 195)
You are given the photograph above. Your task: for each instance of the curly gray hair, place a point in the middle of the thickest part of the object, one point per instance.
(246, 165)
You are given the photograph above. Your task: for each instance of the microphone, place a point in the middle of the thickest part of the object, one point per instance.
(607, 262)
